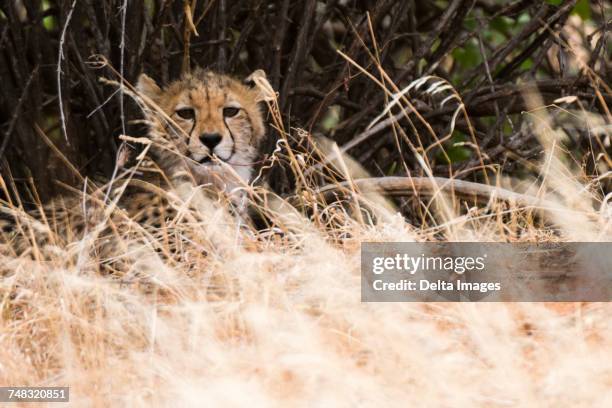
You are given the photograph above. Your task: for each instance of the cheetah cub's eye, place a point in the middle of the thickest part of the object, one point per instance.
(230, 111)
(186, 113)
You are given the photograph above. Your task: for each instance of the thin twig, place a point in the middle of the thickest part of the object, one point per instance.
(60, 56)
(121, 64)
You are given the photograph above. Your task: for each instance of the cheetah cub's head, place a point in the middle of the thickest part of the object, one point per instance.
(215, 121)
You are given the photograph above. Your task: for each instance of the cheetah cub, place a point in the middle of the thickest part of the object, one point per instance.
(205, 130)
(206, 126)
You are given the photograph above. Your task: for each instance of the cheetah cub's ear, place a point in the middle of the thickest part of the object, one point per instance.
(258, 81)
(146, 86)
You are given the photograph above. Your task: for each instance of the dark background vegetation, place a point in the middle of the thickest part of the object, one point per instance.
(487, 49)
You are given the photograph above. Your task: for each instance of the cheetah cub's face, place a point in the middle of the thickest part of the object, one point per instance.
(215, 121)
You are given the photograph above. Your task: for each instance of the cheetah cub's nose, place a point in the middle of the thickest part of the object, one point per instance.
(210, 140)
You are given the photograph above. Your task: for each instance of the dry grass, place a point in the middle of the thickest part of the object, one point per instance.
(208, 311)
